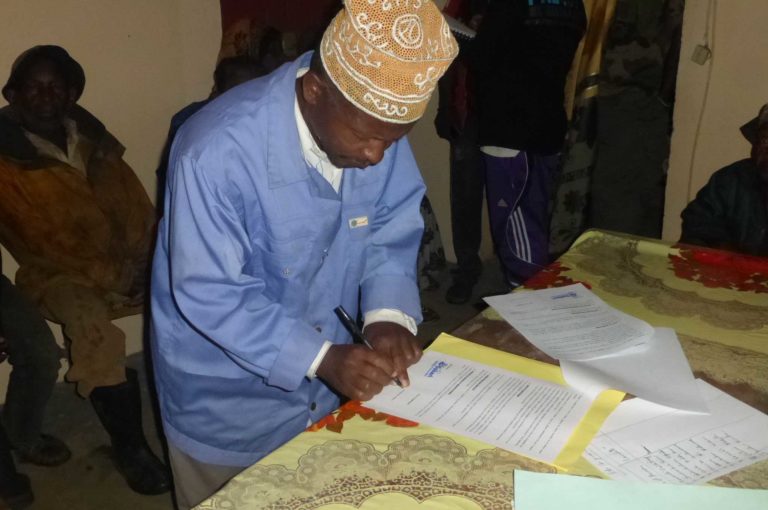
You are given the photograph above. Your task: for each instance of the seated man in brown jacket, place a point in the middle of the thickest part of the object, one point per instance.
(78, 221)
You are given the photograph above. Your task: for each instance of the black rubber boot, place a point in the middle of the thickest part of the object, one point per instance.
(15, 489)
(119, 409)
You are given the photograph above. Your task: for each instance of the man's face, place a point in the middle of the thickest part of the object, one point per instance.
(42, 97)
(760, 152)
(349, 137)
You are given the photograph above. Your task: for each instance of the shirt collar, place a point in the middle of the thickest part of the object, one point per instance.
(73, 157)
(313, 154)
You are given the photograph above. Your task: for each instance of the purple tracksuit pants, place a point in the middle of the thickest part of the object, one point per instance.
(519, 191)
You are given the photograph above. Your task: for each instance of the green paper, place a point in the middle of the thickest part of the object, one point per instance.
(541, 491)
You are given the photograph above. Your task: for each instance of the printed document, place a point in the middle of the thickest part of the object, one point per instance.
(659, 374)
(645, 442)
(522, 414)
(572, 323)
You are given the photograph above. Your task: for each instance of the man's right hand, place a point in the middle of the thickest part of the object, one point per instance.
(355, 371)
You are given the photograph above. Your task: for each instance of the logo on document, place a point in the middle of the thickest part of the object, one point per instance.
(567, 294)
(436, 368)
(360, 221)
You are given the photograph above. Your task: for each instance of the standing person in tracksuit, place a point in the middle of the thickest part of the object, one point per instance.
(522, 120)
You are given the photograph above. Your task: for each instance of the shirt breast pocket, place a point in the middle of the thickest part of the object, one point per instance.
(284, 268)
(285, 262)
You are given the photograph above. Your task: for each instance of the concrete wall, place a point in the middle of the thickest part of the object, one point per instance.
(143, 60)
(713, 100)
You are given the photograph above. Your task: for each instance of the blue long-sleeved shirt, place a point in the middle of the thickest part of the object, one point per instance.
(254, 252)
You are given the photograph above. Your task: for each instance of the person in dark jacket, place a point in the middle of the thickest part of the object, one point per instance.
(524, 50)
(15, 488)
(731, 210)
(81, 226)
(456, 122)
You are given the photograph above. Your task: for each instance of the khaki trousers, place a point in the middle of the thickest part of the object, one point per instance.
(195, 481)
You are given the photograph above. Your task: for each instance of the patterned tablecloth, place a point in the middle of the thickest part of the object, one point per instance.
(358, 458)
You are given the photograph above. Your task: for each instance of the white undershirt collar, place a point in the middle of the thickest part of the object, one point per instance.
(313, 154)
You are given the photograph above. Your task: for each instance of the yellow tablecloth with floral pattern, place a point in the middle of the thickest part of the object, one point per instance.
(358, 458)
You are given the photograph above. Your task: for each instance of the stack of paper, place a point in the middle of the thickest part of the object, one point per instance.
(531, 414)
(645, 442)
(600, 347)
(522, 406)
(659, 374)
(679, 430)
(572, 323)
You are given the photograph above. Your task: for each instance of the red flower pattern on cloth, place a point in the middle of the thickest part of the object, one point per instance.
(335, 421)
(721, 269)
(551, 276)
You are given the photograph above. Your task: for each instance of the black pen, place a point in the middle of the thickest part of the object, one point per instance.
(357, 335)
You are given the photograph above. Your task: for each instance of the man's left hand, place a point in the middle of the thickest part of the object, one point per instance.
(397, 343)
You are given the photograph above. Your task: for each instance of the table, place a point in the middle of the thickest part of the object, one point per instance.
(358, 458)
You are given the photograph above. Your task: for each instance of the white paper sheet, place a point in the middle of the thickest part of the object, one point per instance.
(645, 442)
(572, 323)
(518, 413)
(659, 374)
(457, 27)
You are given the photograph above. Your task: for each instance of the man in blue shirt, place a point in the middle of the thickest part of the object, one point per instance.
(288, 196)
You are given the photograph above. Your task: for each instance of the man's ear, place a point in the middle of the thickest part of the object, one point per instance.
(313, 88)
